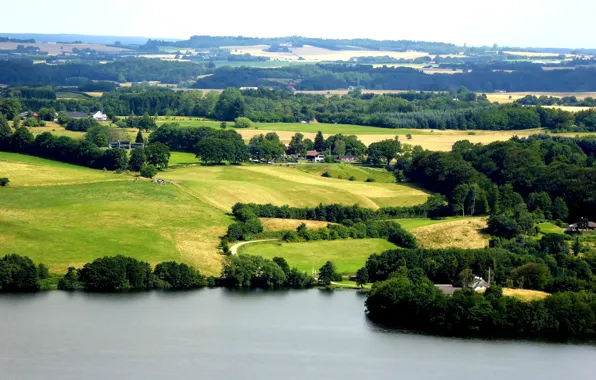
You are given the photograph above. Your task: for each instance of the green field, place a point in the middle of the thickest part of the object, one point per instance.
(550, 228)
(348, 255)
(345, 171)
(182, 158)
(223, 186)
(25, 170)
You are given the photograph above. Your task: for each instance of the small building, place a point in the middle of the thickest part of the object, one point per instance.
(590, 226)
(314, 156)
(77, 115)
(100, 117)
(128, 145)
(479, 284)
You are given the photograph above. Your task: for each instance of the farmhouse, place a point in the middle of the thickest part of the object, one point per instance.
(587, 226)
(314, 156)
(77, 115)
(100, 116)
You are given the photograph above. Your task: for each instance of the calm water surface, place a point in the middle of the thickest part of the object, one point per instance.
(221, 334)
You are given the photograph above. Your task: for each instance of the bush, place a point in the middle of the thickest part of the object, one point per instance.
(18, 274)
(148, 171)
(370, 179)
(326, 175)
(352, 178)
(242, 122)
(409, 136)
(4, 181)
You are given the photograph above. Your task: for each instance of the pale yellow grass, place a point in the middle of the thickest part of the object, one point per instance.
(523, 294)
(504, 97)
(570, 108)
(465, 233)
(316, 54)
(199, 249)
(94, 94)
(437, 140)
(276, 224)
(536, 54)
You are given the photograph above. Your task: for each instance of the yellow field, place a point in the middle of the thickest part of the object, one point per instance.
(94, 94)
(523, 294)
(276, 224)
(465, 233)
(504, 97)
(570, 108)
(316, 54)
(536, 54)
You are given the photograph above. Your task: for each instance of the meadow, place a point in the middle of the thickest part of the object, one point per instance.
(64, 215)
(223, 186)
(348, 255)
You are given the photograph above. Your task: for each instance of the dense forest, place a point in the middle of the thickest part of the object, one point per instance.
(25, 72)
(342, 76)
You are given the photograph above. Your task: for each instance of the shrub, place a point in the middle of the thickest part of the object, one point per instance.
(370, 179)
(148, 171)
(242, 122)
(409, 136)
(352, 178)
(4, 181)
(326, 175)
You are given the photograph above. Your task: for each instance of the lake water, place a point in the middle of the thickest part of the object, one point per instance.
(222, 334)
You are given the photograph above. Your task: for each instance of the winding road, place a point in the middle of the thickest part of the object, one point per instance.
(234, 248)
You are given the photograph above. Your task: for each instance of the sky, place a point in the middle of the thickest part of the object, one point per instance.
(523, 23)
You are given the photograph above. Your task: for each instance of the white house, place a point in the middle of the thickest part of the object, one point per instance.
(100, 116)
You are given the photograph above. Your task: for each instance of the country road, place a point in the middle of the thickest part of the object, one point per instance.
(234, 248)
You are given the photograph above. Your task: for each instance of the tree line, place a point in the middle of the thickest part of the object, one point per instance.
(410, 300)
(84, 152)
(341, 76)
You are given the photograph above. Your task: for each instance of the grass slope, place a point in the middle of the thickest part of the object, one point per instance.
(70, 225)
(348, 255)
(23, 170)
(223, 186)
(459, 233)
(345, 171)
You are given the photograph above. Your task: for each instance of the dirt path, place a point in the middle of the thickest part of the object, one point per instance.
(234, 248)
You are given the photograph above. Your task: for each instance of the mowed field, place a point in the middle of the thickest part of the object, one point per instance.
(223, 186)
(428, 139)
(348, 255)
(55, 49)
(509, 97)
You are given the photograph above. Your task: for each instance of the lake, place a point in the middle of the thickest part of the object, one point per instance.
(223, 334)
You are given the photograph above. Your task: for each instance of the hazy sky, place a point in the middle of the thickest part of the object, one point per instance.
(541, 23)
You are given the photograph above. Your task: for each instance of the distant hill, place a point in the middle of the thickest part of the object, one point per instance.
(204, 42)
(41, 38)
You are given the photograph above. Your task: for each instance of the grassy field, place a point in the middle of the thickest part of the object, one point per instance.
(550, 228)
(223, 186)
(25, 170)
(277, 224)
(65, 215)
(509, 97)
(348, 255)
(182, 158)
(524, 294)
(461, 233)
(345, 171)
